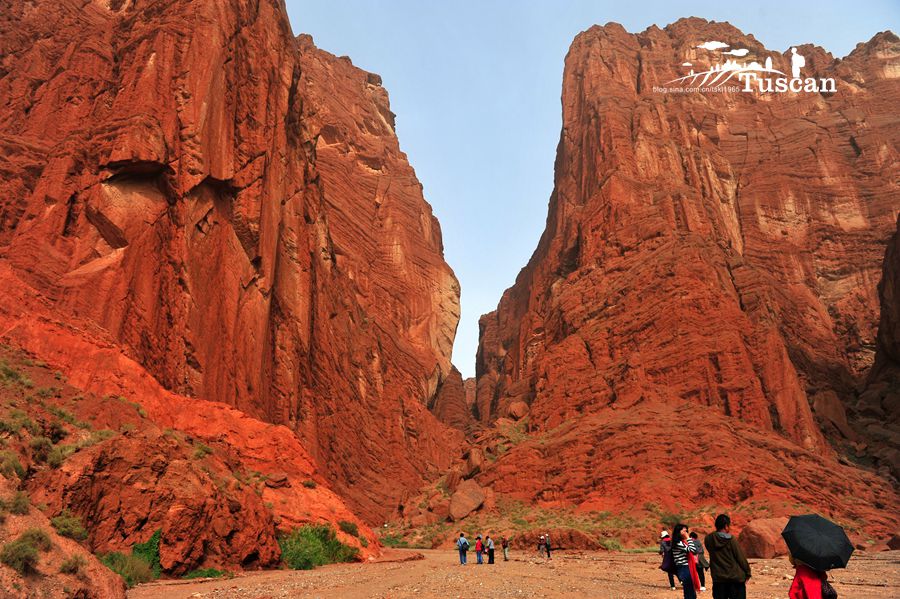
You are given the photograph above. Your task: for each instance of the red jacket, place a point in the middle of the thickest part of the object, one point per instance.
(478, 545)
(807, 583)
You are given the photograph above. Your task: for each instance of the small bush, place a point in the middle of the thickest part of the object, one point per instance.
(37, 537)
(58, 455)
(149, 552)
(56, 431)
(19, 504)
(206, 573)
(22, 420)
(131, 568)
(20, 556)
(364, 541)
(10, 465)
(309, 484)
(201, 451)
(349, 527)
(310, 546)
(611, 544)
(394, 541)
(69, 525)
(40, 447)
(72, 565)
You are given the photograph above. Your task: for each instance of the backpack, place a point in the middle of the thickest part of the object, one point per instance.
(463, 544)
(828, 591)
(668, 562)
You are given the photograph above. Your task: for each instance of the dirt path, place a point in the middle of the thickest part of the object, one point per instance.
(596, 575)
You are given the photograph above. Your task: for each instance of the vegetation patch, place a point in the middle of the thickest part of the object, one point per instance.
(73, 564)
(206, 573)
(310, 484)
(10, 465)
(314, 545)
(139, 567)
(349, 527)
(69, 525)
(394, 540)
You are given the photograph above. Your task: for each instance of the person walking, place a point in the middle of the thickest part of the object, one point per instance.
(479, 549)
(504, 544)
(727, 564)
(463, 545)
(541, 546)
(684, 553)
(547, 545)
(702, 564)
(665, 546)
(808, 582)
(489, 546)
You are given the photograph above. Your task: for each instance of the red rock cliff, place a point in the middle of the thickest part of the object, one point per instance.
(710, 260)
(230, 206)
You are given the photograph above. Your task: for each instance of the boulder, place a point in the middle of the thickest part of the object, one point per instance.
(761, 538)
(517, 410)
(468, 497)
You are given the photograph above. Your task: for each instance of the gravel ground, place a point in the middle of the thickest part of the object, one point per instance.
(569, 574)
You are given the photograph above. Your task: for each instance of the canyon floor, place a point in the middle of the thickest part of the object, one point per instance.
(569, 574)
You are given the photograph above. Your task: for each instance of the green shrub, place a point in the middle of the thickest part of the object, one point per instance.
(9, 374)
(394, 541)
(309, 484)
(58, 455)
(72, 564)
(19, 504)
(69, 525)
(201, 451)
(612, 544)
(131, 568)
(149, 552)
(364, 541)
(37, 537)
(10, 465)
(310, 546)
(20, 556)
(206, 573)
(40, 447)
(56, 431)
(349, 527)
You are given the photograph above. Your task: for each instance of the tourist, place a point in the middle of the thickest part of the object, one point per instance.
(727, 564)
(463, 545)
(665, 547)
(684, 551)
(702, 564)
(808, 582)
(547, 545)
(479, 549)
(504, 544)
(541, 546)
(489, 547)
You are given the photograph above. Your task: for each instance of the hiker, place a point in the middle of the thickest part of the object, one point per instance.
(504, 544)
(684, 553)
(479, 549)
(489, 546)
(463, 545)
(808, 582)
(541, 546)
(702, 564)
(665, 549)
(547, 545)
(727, 564)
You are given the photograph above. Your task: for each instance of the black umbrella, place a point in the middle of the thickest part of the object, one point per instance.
(819, 543)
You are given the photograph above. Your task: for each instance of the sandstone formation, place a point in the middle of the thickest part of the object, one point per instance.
(468, 497)
(708, 272)
(451, 405)
(227, 207)
(762, 538)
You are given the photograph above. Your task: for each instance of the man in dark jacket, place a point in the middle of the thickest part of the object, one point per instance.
(727, 564)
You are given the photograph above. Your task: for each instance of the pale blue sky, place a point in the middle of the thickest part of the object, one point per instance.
(476, 88)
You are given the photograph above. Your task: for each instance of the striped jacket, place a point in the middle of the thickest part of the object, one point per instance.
(680, 551)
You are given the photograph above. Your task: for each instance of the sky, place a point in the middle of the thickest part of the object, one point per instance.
(476, 89)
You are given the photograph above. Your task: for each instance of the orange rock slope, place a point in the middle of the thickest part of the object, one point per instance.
(194, 191)
(702, 305)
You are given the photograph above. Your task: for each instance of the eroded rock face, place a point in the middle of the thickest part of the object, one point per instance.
(762, 538)
(230, 207)
(717, 253)
(451, 405)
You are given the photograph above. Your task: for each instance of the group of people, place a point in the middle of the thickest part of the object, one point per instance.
(482, 548)
(684, 558)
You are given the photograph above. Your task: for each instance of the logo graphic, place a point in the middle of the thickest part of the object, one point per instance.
(749, 76)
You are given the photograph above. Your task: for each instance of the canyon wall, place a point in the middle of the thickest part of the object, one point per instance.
(704, 296)
(229, 206)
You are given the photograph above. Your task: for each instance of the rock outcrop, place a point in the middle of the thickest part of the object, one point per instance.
(228, 206)
(762, 538)
(707, 271)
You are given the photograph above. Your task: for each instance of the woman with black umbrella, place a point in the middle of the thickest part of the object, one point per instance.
(816, 545)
